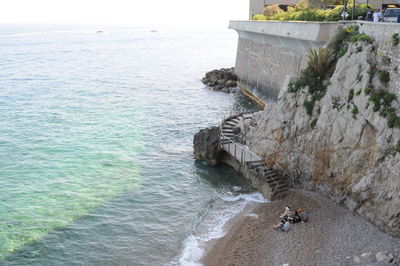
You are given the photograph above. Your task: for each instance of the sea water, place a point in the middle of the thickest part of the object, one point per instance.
(96, 131)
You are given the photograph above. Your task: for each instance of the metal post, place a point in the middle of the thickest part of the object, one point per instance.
(353, 10)
(235, 151)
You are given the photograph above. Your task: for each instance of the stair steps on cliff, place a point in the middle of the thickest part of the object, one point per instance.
(255, 164)
(276, 182)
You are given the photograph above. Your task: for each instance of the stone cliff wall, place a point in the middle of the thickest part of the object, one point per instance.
(349, 156)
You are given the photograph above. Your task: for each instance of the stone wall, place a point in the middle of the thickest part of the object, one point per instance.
(270, 50)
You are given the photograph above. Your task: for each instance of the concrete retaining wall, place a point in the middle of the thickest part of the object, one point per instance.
(270, 50)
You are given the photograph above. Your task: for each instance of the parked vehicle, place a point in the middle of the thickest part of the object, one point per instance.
(391, 14)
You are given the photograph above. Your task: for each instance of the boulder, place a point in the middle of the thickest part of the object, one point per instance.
(226, 90)
(231, 83)
(206, 145)
(219, 79)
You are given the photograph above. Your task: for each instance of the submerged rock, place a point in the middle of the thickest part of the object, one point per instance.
(206, 145)
(221, 79)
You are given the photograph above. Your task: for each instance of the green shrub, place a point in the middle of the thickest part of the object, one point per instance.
(339, 42)
(388, 98)
(292, 88)
(309, 105)
(368, 91)
(305, 12)
(393, 120)
(386, 60)
(336, 103)
(354, 111)
(320, 61)
(358, 92)
(259, 17)
(313, 123)
(272, 10)
(398, 146)
(395, 39)
(384, 76)
(386, 111)
(361, 38)
(351, 95)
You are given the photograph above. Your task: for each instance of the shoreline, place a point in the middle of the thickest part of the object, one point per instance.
(332, 236)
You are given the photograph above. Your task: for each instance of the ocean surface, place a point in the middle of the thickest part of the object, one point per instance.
(96, 131)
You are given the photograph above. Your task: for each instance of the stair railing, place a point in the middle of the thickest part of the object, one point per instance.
(244, 151)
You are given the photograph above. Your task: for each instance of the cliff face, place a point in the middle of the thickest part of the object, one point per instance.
(346, 149)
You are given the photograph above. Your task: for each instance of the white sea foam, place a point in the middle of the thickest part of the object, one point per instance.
(252, 197)
(252, 215)
(213, 226)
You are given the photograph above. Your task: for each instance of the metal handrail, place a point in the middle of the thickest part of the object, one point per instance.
(252, 153)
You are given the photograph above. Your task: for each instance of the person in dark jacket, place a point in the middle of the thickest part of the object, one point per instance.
(368, 17)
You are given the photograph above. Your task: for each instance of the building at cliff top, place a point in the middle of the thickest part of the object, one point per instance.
(257, 6)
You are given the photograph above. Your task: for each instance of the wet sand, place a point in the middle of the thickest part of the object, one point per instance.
(332, 236)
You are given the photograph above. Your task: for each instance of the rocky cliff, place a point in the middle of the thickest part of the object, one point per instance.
(347, 146)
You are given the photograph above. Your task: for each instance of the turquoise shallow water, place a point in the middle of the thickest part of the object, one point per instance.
(96, 145)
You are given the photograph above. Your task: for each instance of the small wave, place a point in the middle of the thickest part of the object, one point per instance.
(252, 197)
(213, 226)
(176, 150)
(252, 215)
(192, 252)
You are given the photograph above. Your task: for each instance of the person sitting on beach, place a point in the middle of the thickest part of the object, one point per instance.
(303, 215)
(287, 213)
(287, 217)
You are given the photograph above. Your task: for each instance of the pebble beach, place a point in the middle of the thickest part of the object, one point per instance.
(332, 236)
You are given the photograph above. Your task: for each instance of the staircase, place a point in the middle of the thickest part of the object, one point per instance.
(276, 182)
(229, 141)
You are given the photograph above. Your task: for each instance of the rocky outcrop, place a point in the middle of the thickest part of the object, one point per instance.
(221, 80)
(347, 148)
(206, 145)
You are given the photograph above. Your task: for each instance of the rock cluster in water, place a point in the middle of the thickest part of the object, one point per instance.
(221, 80)
(206, 145)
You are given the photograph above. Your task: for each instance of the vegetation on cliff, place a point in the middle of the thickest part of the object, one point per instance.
(338, 130)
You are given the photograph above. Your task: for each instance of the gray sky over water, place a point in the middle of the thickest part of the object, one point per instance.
(150, 12)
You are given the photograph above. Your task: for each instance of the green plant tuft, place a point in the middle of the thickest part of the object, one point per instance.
(368, 91)
(351, 95)
(386, 60)
(309, 105)
(354, 111)
(395, 39)
(384, 76)
(313, 123)
(320, 61)
(361, 37)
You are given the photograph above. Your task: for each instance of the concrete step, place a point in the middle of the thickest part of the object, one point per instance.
(247, 116)
(229, 135)
(277, 182)
(279, 190)
(255, 163)
(230, 122)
